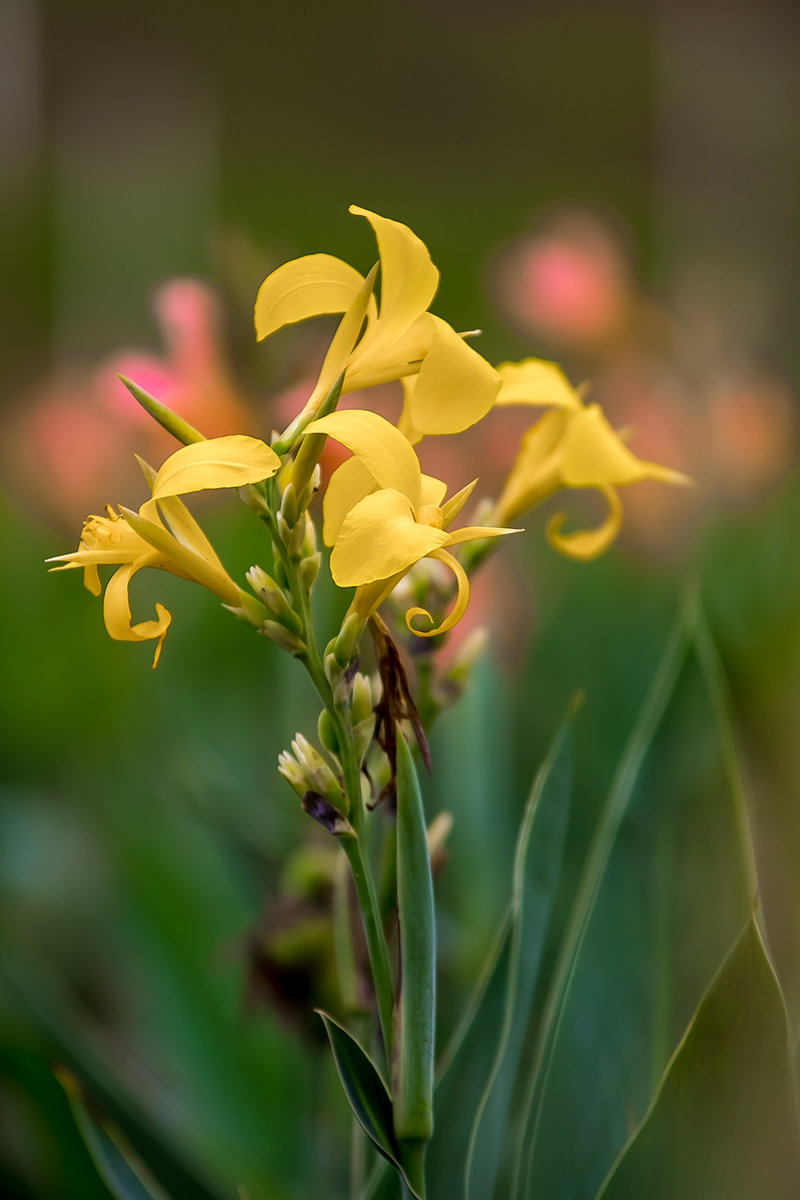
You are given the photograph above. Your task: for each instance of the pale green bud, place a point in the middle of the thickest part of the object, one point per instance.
(309, 570)
(346, 643)
(282, 637)
(292, 536)
(288, 509)
(275, 599)
(326, 729)
(362, 698)
(319, 776)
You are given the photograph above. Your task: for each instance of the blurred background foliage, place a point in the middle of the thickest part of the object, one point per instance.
(614, 185)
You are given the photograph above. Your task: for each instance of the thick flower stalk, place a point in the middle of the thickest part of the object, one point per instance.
(163, 534)
(571, 446)
(454, 386)
(404, 517)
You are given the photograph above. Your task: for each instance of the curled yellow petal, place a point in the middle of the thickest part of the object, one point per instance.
(459, 607)
(408, 277)
(593, 455)
(589, 543)
(538, 382)
(379, 538)
(383, 450)
(306, 287)
(117, 614)
(231, 461)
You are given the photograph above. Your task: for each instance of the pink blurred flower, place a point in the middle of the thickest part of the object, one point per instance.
(69, 445)
(569, 283)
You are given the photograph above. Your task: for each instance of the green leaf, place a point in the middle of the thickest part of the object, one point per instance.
(415, 1012)
(366, 1091)
(529, 1144)
(118, 1164)
(537, 866)
(722, 1124)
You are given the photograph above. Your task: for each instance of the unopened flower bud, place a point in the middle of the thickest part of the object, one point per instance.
(319, 776)
(292, 536)
(282, 637)
(309, 569)
(346, 642)
(275, 599)
(362, 698)
(327, 732)
(288, 509)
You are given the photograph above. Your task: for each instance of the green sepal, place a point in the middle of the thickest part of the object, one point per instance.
(169, 420)
(369, 1098)
(722, 1123)
(413, 1064)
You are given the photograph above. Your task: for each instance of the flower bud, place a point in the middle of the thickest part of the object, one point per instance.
(282, 637)
(318, 775)
(346, 643)
(288, 509)
(327, 732)
(292, 536)
(309, 569)
(362, 698)
(275, 599)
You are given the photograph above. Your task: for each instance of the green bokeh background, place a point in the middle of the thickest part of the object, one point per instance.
(143, 827)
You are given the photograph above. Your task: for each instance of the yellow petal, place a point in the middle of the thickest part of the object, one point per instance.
(536, 381)
(433, 490)
(536, 472)
(117, 614)
(458, 609)
(383, 450)
(216, 463)
(182, 560)
(378, 538)
(408, 277)
(455, 388)
(476, 533)
(348, 484)
(454, 505)
(303, 288)
(590, 543)
(344, 340)
(594, 455)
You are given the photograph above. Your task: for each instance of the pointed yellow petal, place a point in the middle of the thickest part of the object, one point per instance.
(455, 386)
(379, 537)
(408, 277)
(476, 533)
(589, 543)
(458, 609)
(216, 463)
(117, 614)
(182, 560)
(383, 354)
(594, 455)
(536, 381)
(383, 450)
(454, 505)
(344, 340)
(305, 287)
(348, 484)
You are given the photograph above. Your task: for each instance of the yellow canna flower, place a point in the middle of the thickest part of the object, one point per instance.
(164, 534)
(385, 515)
(454, 386)
(572, 445)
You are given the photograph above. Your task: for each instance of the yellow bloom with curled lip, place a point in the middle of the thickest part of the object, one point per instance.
(164, 534)
(454, 385)
(572, 445)
(404, 517)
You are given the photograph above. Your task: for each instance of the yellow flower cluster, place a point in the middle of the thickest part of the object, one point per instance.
(382, 514)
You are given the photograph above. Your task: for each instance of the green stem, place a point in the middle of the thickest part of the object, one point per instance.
(376, 941)
(359, 863)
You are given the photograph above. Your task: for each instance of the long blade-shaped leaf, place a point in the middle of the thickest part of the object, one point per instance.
(537, 865)
(367, 1093)
(722, 1125)
(619, 796)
